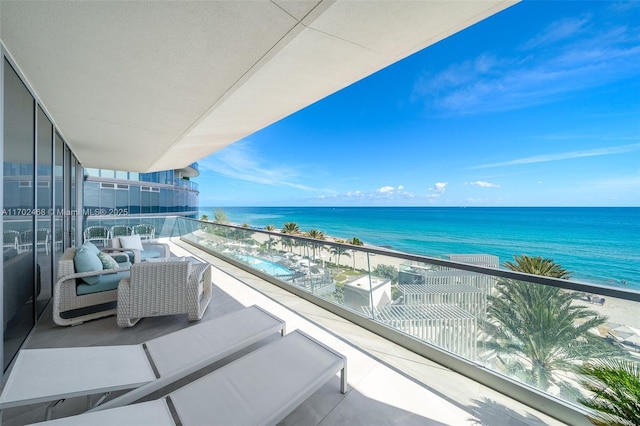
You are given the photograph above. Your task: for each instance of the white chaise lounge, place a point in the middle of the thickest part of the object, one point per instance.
(44, 375)
(261, 388)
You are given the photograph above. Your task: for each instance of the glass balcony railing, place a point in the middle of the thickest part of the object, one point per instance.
(529, 334)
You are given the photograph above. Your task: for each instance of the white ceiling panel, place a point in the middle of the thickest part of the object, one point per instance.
(150, 85)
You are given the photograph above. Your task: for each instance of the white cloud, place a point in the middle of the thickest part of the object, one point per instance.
(563, 156)
(558, 31)
(240, 161)
(439, 187)
(484, 184)
(385, 189)
(389, 189)
(490, 83)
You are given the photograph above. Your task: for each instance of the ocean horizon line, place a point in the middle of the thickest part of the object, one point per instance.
(421, 207)
(600, 245)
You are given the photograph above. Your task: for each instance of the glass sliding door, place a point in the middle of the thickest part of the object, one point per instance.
(69, 197)
(43, 235)
(57, 234)
(19, 275)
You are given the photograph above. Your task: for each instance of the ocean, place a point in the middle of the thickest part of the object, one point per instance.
(599, 245)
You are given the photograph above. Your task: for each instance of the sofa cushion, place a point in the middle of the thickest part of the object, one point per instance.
(108, 282)
(149, 254)
(86, 261)
(120, 257)
(131, 242)
(91, 247)
(108, 262)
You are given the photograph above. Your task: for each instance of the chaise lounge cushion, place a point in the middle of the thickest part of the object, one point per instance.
(87, 261)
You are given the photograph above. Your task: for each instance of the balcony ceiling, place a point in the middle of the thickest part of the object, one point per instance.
(150, 85)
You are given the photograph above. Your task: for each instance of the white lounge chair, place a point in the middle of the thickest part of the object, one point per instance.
(261, 388)
(43, 375)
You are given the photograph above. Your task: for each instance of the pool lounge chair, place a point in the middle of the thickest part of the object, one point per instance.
(261, 388)
(49, 375)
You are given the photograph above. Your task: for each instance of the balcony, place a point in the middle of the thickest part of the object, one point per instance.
(391, 381)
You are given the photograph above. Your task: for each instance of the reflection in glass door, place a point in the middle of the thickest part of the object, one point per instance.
(43, 235)
(18, 220)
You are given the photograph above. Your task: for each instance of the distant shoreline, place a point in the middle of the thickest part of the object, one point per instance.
(596, 244)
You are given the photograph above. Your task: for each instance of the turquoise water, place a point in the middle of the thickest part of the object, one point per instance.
(265, 266)
(599, 245)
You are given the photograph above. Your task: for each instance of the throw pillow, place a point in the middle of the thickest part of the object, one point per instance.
(91, 247)
(131, 242)
(86, 261)
(108, 262)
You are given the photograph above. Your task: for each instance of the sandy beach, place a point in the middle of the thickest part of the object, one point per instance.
(618, 311)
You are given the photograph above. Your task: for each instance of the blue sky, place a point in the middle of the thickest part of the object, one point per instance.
(538, 105)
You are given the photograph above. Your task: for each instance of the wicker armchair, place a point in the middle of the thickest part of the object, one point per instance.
(67, 301)
(164, 288)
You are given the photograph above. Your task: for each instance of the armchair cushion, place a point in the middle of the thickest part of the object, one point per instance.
(150, 254)
(86, 261)
(108, 282)
(132, 242)
(108, 262)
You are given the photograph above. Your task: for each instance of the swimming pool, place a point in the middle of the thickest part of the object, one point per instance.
(266, 266)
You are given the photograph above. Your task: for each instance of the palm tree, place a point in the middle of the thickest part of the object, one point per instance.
(615, 385)
(287, 242)
(355, 241)
(538, 266)
(537, 332)
(339, 251)
(204, 218)
(317, 235)
(270, 228)
(290, 228)
(387, 271)
(302, 245)
(219, 216)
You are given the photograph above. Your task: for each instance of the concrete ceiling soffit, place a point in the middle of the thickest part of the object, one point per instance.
(334, 46)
